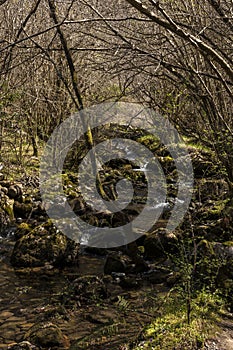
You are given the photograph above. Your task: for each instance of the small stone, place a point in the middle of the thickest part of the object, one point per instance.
(89, 288)
(15, 191)
(130, 283)
(5, 315)
(3, 346)
(25, 345)
(5, 183)
(4, 190)
(103, 317)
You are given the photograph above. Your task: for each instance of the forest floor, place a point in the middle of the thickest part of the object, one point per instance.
(224, 337)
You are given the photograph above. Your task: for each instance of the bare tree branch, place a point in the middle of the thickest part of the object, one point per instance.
(174, 28)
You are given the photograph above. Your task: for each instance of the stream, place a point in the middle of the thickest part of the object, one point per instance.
(31, 296)
(23, 296)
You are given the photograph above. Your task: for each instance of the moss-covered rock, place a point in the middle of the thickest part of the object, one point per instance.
(215, 262)
(4, 220)
(44, 244)
(6, 211)
(48, 336)
(22, 230)
(204, 162)
(214, 210)
(208, 188)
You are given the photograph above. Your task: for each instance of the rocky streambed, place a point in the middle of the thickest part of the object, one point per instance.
(77, 308)
(56, 295)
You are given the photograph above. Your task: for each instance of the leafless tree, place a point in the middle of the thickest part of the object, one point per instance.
(175, 56)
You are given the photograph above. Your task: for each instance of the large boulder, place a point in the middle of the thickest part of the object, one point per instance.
(23, 210)
(204, 163)
(116, 262)
(45, 244)
(224, 252)
(158, 243)
(47, 336)
(84, 290)
(215, 261)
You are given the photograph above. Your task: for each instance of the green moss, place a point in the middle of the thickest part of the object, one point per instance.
(228, 244)
(150, 141)
(141, 249)
(218, 207)
(42, 244)
(24, 226)
(216, 210)
(207, 247)
(8, 208)
(196, 145)
(65, 179)
(48, 225)
(171, 331)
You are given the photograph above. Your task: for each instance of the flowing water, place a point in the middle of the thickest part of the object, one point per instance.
(24, 295)
(30, 296)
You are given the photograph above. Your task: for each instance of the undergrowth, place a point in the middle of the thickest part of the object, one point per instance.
(171, 330)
